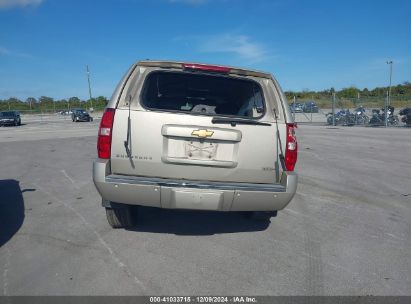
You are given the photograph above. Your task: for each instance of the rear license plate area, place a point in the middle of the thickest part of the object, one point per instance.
(196, 199)
(201, 150)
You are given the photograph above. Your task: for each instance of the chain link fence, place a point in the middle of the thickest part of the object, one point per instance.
(335, 111)
(52, 111)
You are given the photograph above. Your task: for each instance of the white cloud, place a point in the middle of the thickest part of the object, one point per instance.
(238, 45)
(7, 4)
(190, 2)
(6, 52)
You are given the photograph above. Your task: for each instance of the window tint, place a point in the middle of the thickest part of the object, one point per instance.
(202, 94)
(8, 114)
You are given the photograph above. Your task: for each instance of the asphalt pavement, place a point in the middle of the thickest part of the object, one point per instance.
(346, 232)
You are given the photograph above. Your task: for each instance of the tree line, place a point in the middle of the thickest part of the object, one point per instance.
(400, 92)
(49, 104)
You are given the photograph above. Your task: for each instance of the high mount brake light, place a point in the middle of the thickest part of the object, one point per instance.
(105, 133)
(205, 67)
(291, 149)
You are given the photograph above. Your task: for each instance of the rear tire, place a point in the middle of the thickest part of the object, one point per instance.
(119, 217)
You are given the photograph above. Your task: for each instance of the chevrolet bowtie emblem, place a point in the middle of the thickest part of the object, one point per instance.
(202, 133)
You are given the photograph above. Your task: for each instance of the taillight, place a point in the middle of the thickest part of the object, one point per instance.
(291, 147)
(206, 67)
(104, 134)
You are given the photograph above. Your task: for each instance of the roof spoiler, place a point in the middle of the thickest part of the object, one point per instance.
(181, 65)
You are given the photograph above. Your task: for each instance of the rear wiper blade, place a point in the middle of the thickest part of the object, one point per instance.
(233, 121)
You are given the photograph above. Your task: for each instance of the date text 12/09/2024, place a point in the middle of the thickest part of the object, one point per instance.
(203, 299)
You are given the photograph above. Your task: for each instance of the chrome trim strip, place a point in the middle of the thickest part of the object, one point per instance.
(122, 179)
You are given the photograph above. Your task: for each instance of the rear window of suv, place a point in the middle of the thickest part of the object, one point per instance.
(205, 94)
(8, 114)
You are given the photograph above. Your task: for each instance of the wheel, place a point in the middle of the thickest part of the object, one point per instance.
(260, 215)
(120, 217)
(16, 123)
(374, 121)
(19, 122)
(396, 121)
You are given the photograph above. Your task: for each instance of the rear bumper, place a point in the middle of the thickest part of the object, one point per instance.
(78, 118)
(7, 123)
(184, 194)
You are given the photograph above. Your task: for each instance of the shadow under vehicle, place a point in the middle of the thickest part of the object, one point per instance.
(11, 209)
(189, 222)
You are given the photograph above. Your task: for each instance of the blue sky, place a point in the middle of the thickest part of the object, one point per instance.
(45, 45)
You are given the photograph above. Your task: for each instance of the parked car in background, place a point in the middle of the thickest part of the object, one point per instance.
(10, 118)
(310, 107)
(296, 107)
(80, 115)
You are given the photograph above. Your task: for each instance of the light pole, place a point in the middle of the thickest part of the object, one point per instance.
(89, 87)
(389, 89)
(333, 110)
(294, 108)
(386, 110)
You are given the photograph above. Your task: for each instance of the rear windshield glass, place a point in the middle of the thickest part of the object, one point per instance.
(7, 114)
(202, 94)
